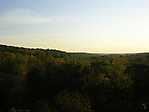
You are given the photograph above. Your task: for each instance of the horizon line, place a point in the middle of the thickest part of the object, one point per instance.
(68, 51)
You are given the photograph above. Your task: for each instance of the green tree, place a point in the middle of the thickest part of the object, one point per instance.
(73, 102)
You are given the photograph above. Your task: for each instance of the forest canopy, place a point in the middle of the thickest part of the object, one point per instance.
(44, 80)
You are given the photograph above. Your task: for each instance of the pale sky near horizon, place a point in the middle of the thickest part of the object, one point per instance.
(107, 26)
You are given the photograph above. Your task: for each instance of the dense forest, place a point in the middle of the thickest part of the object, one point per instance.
(44, 80)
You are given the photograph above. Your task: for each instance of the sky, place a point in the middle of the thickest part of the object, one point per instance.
(101, 26)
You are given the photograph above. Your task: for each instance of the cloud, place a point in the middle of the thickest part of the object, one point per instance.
(25, 21)
(22, 16)
(25, 16)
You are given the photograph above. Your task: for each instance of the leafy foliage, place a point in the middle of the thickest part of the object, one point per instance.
(56, 81)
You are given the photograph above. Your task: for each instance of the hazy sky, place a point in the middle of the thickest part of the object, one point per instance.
(76, 25)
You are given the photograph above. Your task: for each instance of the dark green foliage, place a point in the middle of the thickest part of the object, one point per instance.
(73, 101)
(54, 81)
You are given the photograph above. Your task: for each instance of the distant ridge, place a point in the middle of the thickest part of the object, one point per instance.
(61, 51)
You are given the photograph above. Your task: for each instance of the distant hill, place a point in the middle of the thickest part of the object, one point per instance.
(77, 57)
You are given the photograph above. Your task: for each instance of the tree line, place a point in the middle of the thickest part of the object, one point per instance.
(43, 80)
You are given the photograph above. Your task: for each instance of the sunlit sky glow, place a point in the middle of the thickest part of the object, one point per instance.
(107, 26)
